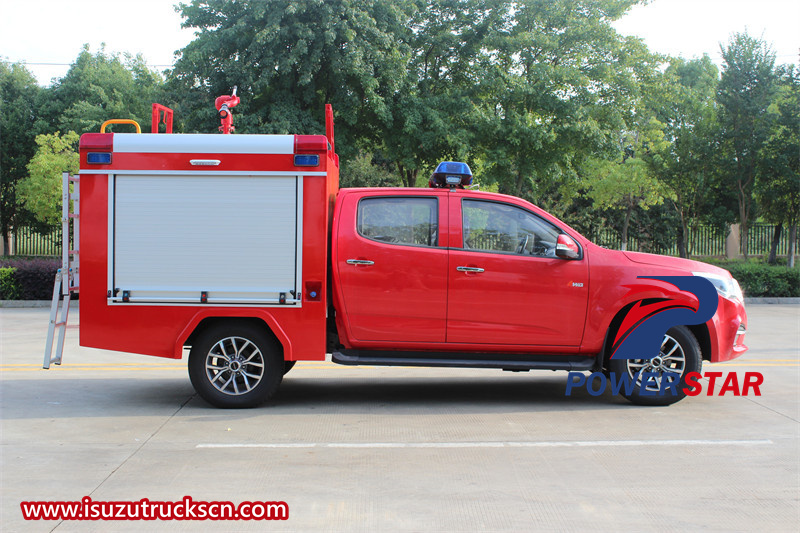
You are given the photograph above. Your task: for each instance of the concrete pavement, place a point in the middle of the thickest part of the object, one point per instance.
(401, 449)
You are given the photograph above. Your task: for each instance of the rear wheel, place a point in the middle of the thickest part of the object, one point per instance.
(235, 365)
(655, 379)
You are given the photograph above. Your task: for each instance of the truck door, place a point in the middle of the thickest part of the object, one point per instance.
(506, 284)
(392, 267)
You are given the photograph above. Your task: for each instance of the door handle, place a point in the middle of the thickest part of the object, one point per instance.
(469, 269)
(360, 262)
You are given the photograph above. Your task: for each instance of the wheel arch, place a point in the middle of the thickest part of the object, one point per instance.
(203, 321)
(611, 333)
(700, 332)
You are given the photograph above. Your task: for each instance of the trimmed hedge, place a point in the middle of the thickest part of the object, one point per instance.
(27, 279)
(759, 279)
(8, 284)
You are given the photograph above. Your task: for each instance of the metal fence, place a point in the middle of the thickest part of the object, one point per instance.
(708, 241)
(759, 240)
(29, 242)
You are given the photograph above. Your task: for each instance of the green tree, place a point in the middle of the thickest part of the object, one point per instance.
(433, 114)
(557, 84)
(628, 182)
(689, 167)
(777, 185)
(363, 171)
(288, 58)
(18, 115)
(41, 191)
(99, 87)
(744, 94)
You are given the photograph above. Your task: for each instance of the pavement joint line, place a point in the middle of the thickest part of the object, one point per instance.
(751, 400)
(492, 444)
(119, 368)
(153, 365)
(142, 445)
(788, 365)
(67, 366)
(115, 368)
(97, 364)
(768, 408)
(757, 361)
(109, 369)
(90, 365)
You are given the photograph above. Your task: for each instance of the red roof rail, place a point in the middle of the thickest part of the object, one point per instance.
(158, 109)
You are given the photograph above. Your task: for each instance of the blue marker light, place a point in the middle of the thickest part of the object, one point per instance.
(98, 158)
(310, 160)
(453, 167)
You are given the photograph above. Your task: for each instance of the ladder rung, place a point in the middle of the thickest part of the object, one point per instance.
(65, 275)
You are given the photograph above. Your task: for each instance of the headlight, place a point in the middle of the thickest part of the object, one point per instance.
(727, 287)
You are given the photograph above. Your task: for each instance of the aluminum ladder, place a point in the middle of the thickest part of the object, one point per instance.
(68, 276)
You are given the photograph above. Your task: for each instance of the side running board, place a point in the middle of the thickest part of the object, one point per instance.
(513, 362)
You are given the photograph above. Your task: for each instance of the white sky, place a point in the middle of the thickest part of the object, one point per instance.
(48, 34)
(690, 28)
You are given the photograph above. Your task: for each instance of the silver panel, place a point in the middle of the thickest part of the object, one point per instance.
(195, 172)
(203, 143)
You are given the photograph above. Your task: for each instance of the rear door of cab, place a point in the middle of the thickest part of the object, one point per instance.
(391, 264)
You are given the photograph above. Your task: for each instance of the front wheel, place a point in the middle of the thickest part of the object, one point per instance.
(235, 365)
(660, 380)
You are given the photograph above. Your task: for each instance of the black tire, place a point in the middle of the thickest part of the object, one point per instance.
(288, 365)
(680, 354)
(235, 365)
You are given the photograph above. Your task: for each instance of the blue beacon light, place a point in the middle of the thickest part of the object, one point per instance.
(451, 174)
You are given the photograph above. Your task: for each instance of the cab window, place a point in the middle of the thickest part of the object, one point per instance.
(404, 220)
(497, 227)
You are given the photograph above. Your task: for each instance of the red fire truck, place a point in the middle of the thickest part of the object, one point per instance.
(243, 249)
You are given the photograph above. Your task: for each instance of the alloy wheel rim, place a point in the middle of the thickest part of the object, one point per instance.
(234, 366)
(670, 361)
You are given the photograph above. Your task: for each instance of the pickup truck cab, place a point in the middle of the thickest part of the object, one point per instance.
(243, 250)
(450, 277)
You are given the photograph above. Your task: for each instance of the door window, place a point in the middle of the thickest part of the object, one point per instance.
(405, 220)
(497, 227)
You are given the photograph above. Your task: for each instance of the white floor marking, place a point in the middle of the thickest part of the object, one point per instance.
(493, 444)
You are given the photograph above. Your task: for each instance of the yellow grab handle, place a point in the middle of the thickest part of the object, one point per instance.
(120, 121)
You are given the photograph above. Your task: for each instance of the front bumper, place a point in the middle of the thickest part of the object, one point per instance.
(727, 331)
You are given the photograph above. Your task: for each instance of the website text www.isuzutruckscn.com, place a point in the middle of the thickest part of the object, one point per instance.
(145, 509)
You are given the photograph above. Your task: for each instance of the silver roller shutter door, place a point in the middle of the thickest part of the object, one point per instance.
(235, 237)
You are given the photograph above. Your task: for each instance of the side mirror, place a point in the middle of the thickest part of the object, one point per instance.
(567, 248)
